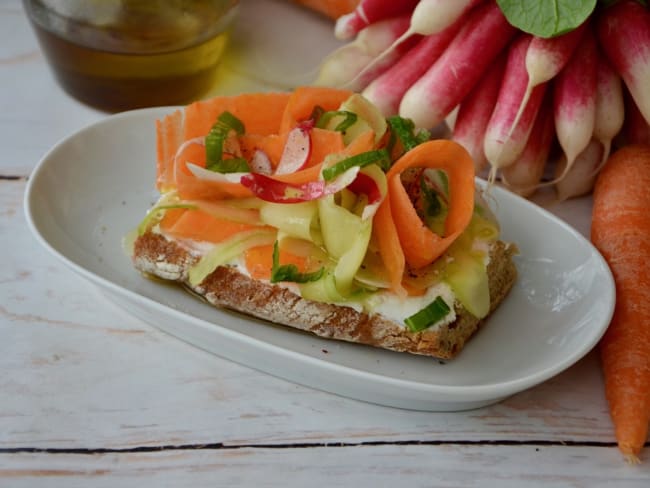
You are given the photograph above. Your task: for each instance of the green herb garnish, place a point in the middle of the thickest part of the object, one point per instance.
(234, 165)
(429, 315)
(378, 156)
(405, 131)
(214, 145)
(349, 119)
(289, 272)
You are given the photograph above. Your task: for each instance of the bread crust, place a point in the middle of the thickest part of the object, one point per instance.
(228, 288)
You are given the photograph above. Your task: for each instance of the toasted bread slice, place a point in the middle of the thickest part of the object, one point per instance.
(226, 287)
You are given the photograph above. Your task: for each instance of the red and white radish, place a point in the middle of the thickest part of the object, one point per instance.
(579, 179)
(428, 17)
(624, 33)
(343, 66)
(433, 16)
(524, 175)
(438, 67)
(504, 141)
(386, 90)
(545, 58)
(574, 100)
(475, 111)
(370, 12)
(484, 34)
(635, 128)
(450, 119)
(610, 107)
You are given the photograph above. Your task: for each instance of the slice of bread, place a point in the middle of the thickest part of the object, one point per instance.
(226, 287)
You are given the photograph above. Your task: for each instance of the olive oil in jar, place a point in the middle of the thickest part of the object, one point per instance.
(123, 54)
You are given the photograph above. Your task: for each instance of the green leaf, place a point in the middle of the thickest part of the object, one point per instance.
(547, 18)
(289, 272)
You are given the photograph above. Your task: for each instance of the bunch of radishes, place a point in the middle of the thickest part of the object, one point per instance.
(507, 82)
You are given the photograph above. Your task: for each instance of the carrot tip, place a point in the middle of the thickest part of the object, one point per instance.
(631, 458)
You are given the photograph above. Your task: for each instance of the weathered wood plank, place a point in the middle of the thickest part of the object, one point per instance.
(376, 466)
(77, 371)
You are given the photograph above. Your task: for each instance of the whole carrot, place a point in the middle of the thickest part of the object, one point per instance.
(621, 231)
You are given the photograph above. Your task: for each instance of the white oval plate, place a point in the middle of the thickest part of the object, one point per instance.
(95, 186)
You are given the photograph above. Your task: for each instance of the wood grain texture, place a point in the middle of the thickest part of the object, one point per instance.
(91, 396)
(376, 466)
(81, 373)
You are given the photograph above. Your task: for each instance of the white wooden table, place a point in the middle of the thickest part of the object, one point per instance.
(91, 396)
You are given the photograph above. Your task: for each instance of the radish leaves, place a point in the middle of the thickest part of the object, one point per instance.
(549, 18)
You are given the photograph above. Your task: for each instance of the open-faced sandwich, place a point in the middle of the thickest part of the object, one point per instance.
(311, 210)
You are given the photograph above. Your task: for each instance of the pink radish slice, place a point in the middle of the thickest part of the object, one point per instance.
(296, 150)
(261, 163)
(271, 190)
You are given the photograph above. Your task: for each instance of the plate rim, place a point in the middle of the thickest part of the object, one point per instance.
(469, 393)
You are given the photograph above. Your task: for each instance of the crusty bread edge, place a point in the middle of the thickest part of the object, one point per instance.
(226, 287)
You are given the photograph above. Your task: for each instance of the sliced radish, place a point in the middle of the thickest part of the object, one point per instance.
(296, 150)
(206, 175)
(260, 163)
(276, 191)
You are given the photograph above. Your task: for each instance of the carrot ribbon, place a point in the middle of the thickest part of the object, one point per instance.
(402, 236)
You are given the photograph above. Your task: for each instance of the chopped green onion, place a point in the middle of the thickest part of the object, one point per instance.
(404, 129)
(429, 315)
(379, 156)
(214, 146)
(229, 121)
(324, 119)
(216, 137)
(289, 272)
(233, 165)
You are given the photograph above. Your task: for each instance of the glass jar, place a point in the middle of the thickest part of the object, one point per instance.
(123, 54)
